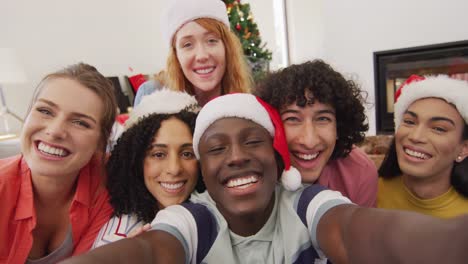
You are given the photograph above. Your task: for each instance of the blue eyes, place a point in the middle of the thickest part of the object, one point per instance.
(319, 119)
(81, 123)
(291, 119)
(211, 41)
(48, 113)
(324, 119)
(44, 111)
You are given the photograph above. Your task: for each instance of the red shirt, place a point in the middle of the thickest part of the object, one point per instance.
(89, 210)
(354, 176)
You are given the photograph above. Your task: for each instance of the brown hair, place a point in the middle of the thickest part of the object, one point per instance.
(89, 77)
(236, 78)
(160, 77)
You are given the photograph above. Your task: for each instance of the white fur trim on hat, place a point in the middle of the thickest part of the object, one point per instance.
(291, 179)
(163, 101)
(451, 90)
(233, 105)
(249, 107)
(180, 12)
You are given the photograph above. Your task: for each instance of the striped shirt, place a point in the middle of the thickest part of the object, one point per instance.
(288, 236)
(116, 229)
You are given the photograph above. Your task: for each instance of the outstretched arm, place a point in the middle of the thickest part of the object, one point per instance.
(350, 234)
(150, 247)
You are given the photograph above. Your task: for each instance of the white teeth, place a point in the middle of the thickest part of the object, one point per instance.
(172, 186)
(205, 71)
(243, 182)
(51, 150)
(416, 154)
(307, 156)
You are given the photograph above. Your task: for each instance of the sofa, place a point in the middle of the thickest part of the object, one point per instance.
(376, 147)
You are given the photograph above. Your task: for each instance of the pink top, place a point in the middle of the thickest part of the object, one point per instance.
(89, 209)
(354, 176)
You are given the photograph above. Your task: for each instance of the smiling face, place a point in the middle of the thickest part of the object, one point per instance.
(311, 136)
(239, 167)
(201, 55)
(61, 133)
(429, 140)
(170, 168)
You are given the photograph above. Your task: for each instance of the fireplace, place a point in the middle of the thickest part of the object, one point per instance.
(392, 67)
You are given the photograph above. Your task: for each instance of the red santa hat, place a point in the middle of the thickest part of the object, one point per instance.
(249, 107)
(180, 12)
(417, 87)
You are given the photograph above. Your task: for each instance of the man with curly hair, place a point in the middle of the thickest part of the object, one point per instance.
(323, 117)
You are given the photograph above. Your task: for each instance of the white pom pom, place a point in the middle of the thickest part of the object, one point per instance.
(291, 179)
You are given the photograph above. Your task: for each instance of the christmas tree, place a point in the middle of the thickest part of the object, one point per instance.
(243, 25)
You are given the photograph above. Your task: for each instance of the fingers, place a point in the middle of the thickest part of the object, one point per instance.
(139, 230)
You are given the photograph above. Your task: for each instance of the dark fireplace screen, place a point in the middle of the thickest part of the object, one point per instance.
(392, 67)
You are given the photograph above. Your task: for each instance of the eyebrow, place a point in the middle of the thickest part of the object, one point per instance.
(287, 111)
(293, 111)
(52, 104)
(189, 36)
(433, 119)
(158, 145)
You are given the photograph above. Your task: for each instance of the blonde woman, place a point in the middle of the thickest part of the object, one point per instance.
(52, 197)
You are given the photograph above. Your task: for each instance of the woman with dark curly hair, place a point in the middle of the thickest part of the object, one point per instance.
(426, 167)
(152, 165)
(323, 117)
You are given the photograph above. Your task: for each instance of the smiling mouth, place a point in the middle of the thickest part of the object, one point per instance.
(50, 150)
(417, 154)
(173, 186)
(205, 70)
(306, 157)
(242, 182)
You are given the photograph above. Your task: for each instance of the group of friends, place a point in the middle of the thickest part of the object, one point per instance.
(214, 168)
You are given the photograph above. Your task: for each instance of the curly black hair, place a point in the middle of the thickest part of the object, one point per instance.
(317, 78)
(458, 179)
(126, 186)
